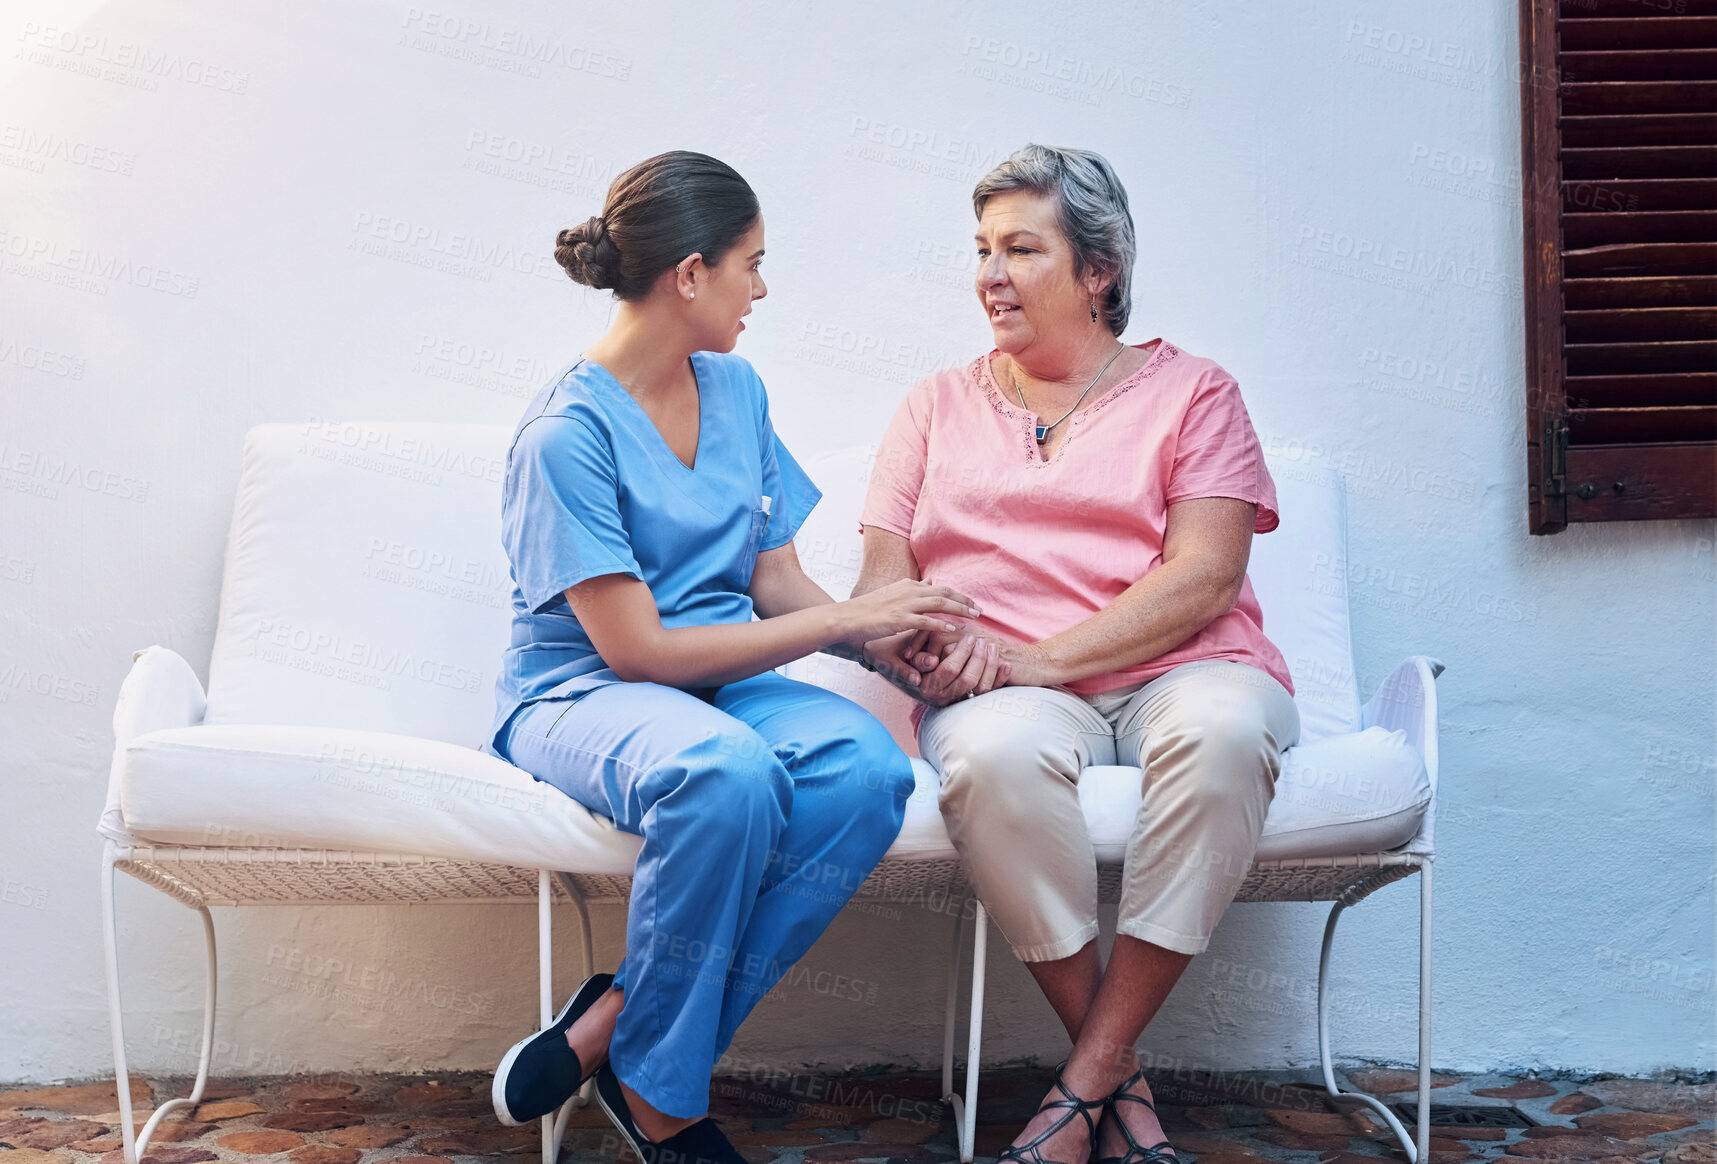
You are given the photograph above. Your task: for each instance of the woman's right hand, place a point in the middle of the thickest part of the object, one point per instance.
(960, 666)
(906, 605)
(938, 669)
(893, 658)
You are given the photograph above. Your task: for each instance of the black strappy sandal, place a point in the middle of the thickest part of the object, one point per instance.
(1029, 1153)
(1136, 1152)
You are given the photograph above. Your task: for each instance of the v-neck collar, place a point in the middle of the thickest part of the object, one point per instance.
(999, 399)
(662, 444)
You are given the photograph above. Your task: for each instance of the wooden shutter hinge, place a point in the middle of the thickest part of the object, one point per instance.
(1554, 482)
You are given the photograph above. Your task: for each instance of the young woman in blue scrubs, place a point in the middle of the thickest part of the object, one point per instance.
(649, 510)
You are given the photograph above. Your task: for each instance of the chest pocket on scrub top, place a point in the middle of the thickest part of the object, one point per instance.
(753, 539)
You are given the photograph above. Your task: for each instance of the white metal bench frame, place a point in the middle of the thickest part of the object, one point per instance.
(202, 877)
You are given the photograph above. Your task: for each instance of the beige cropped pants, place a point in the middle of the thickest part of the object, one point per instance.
(1209, 737)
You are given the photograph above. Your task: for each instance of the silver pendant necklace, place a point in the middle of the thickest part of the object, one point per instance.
(1043, 429)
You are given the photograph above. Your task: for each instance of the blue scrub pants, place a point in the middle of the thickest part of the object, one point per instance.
(763, 804)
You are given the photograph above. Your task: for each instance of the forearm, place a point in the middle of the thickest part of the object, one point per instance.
(620, 614)
(779, 585)
(887, 559)
(783, 588)
(1152, 616)
(789, 590)
(708, 656)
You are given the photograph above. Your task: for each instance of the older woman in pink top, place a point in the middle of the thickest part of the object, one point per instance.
(1097, 501)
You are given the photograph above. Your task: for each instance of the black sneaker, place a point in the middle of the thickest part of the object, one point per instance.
(701, 1143)
(541, 1071)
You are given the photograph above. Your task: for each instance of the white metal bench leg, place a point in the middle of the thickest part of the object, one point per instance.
(587, 951)
(1416, 1147)
(974, 1036)
(133, 1141)
(965, 1106)
(1424, 1128)
(555, 1123)
(950, 1018)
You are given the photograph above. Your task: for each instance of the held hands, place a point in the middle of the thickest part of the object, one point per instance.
(888, 626)
(906, 632)
(955, 664)
(939, 667)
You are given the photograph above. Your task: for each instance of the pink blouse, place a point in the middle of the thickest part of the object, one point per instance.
(1043, 545)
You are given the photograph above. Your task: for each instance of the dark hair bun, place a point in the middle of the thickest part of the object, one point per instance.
(588, 254)
(656, 213)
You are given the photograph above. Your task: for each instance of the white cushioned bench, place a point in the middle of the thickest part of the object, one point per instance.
(364, 608)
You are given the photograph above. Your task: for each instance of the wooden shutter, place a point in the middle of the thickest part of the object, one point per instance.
(1619, 145)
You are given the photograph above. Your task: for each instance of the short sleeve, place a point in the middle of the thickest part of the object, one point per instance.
(791, 492)
(561, 520)
(898, 475)
(1217, 453)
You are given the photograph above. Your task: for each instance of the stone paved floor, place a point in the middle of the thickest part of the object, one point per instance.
(814, 1119)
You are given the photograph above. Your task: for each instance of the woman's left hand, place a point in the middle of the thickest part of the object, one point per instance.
(1019, 665)
(971, 665)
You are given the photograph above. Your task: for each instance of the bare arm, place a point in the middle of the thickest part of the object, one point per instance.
(887, 558)
(779, 585)
(971, 663)
(1206, 545)
(620, 616)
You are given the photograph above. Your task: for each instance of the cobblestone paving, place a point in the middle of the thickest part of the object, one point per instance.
(894, 1118)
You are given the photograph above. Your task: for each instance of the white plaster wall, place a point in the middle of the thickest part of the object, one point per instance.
(1327, 196)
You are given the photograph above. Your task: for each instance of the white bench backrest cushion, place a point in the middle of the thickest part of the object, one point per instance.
(1299, 574)
(365, 582)
(1296, 572)
(366, 585)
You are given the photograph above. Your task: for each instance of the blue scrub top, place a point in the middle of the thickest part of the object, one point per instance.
(591, 488)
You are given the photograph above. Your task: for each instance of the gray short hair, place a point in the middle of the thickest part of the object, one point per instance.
(1091, 207)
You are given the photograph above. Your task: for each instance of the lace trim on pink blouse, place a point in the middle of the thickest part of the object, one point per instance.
(979, 370)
